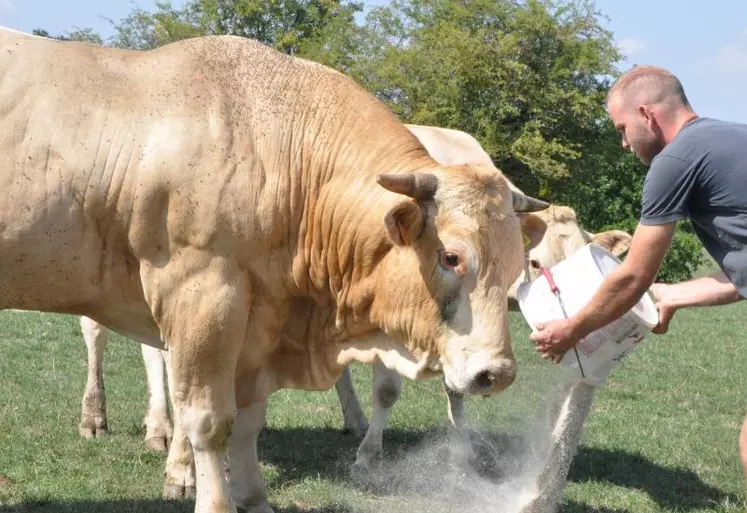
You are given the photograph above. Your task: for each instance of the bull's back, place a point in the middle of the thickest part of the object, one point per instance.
(67, 143)
(109, 158)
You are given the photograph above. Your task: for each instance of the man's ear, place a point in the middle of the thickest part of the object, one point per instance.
(405, 222)
(533, 228)
(648, 116)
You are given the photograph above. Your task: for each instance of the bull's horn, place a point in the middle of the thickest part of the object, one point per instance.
(421, 186)
(524, 203)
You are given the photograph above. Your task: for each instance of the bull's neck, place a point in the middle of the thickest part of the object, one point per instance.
(342, 247)
(321, 140)
(343, 236)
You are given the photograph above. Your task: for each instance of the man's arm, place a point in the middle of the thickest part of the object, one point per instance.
(712, 290)
(619, 292)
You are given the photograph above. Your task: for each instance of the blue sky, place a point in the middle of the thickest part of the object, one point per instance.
(705, 45)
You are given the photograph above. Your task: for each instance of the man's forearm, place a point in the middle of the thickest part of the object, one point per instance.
(712, 290)
(620, 291)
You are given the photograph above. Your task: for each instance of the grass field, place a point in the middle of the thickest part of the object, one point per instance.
(662, 436)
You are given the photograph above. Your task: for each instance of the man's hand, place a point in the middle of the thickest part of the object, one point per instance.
(666, 308)
(712, 290)
(554, 338)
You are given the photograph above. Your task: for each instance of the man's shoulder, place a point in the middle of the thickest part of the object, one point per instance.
(668, 161)
(707, 130)
(702, 136)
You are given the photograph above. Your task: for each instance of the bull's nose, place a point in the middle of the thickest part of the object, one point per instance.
(484, 381)
(492, 381)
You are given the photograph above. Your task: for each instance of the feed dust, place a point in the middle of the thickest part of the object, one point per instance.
(467, 472)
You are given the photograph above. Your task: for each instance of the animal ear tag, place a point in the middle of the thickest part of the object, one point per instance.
(527, 240)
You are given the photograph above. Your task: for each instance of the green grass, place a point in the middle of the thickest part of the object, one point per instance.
(662, 436)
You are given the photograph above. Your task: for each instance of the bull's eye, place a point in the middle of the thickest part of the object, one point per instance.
(450, 259)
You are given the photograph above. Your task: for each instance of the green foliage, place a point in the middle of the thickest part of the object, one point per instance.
(684, 257)
(323, 29)
(85, 35)
(525, 78)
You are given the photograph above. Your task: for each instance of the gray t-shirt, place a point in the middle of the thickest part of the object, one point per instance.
(702, 175)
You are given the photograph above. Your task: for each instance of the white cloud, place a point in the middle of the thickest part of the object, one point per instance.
(631, 46)
(7, 5)
(731, 59)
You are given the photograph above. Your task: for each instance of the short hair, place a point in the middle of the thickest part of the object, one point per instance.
(651, 84)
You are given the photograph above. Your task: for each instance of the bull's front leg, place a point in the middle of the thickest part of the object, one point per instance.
(387, 385)
(179, 474)
(157, 422)
(480, 453)
(354, 420)
(247, 485)
(202, 305)
(455, 408)
(93, 415)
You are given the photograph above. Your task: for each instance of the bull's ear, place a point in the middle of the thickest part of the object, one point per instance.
(405, 222)
(533, 228)
(616, 242)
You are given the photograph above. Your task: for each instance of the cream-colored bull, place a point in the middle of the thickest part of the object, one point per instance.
(562, 236)
(261, 216)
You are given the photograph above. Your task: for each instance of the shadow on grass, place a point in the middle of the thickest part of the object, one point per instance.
(135, 506)
(677, 489)
(327, 452)
(577, 507)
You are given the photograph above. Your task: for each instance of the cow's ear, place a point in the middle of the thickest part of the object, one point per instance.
(533, 228)
(616, 242)
(405, 222)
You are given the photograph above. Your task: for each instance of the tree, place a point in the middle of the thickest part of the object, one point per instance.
(325, 30)
(526, 79)
(86, 35)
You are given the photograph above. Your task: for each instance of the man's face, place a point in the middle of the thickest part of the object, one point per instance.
(636, 125)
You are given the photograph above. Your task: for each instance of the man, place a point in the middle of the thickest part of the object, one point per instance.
(698, 170)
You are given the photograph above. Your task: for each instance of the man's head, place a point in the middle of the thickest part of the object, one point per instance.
(648, 106)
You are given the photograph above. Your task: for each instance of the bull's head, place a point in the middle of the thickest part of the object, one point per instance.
(442, 289)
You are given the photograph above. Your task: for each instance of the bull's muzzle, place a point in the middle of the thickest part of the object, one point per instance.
(492, 379)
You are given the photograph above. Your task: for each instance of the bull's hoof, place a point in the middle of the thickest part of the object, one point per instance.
(158, 439)
(158, 444)
(268, 509)
(93, 428)
(158, 432)
(483, 457)
(176, 491)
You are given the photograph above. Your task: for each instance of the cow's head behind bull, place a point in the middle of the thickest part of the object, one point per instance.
(458, 227)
